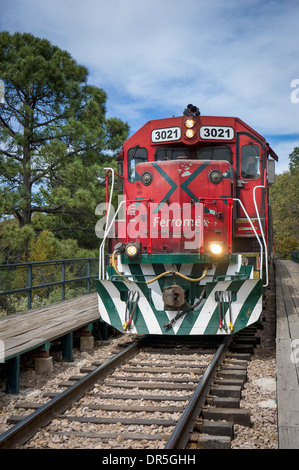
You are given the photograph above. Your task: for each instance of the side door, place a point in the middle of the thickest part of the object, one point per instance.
(251, 163)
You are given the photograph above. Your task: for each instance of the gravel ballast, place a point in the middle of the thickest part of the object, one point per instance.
(259, 394)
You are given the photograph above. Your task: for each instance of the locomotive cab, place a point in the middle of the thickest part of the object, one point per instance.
(189, 253)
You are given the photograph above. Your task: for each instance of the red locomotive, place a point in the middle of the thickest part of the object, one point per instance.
(190, 253)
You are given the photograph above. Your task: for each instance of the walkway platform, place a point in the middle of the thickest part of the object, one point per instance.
(287, 353)
(36, 328)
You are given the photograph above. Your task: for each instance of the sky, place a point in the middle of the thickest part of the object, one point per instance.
(153, 57)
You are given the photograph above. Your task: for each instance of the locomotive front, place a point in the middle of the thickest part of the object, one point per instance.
(188, 253)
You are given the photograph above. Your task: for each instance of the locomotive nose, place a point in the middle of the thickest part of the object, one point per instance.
(186, 198)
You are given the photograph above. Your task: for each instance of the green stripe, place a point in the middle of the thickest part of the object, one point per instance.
(138, 319)
(188, 322)
(110, 306)
(169, 181)
(213, 324)
(160, 315)
(248, 306)
(173, 258)
(189, 180)
(221, 270)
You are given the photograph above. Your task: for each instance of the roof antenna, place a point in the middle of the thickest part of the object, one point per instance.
(191, 111)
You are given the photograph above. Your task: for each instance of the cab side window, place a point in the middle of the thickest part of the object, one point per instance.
(250, 161)
(135, 155)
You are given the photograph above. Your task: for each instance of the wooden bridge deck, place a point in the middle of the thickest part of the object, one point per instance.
(287, 353)
(31, 329)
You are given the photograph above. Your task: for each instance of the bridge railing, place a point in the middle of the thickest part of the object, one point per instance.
(43, 276)
(295, 256)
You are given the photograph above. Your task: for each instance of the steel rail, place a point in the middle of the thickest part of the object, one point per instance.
(23, 431)
(181, 433)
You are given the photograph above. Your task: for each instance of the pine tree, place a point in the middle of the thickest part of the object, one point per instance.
(55, 137)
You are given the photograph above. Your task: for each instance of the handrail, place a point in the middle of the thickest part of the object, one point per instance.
(262, 232)
(30, 265)
(102, 263)
(254, 231)
(102, 246)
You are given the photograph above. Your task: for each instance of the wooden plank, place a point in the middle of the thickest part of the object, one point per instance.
(52, 330)
(65, 305)
(30, 329)
(159, 370)
(218, 428)
(167, 364)
(106, 436)
(287, 328)
(49, 311)
(223, 402)
(28, 405)
(288, 420)
(133, 378)
(226, 391)
(287, 378)
(234, 415)
(122, 420)
(288, 437)
(135, 408)
(146, 385)
(127, 396)
(206, 441)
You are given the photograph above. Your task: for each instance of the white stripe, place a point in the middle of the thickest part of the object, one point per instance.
(103, 312)
(143, 304)
(206, 313)
(256, 312)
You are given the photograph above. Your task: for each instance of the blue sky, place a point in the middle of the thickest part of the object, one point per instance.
(153, 57)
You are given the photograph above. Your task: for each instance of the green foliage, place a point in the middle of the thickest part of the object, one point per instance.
(14, 241)
(287, 244)
(55, 139)
(55, 142)
(25, 244)
(43, 247)
(18, 304)
(294, 160)
(284, 197)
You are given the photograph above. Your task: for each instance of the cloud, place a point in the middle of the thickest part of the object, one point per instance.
(154, 57)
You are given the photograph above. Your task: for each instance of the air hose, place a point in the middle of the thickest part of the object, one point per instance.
(186, 310)
(160, 275)
(131, 305)
(115, 267)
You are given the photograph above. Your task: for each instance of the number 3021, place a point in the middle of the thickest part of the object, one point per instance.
(166, 134)
(216, 132)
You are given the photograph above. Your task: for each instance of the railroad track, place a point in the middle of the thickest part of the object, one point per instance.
(147, 395)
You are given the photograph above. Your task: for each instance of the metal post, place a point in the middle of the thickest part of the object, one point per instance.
(13, 375)
(63, 280)
(88, 274)
(67, 347)
(29, 286)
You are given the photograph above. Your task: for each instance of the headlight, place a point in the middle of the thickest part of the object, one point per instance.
(147, 178)
(189, 123)
(133, 250)
(216, 248)
(189, 133)
(215, 176)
